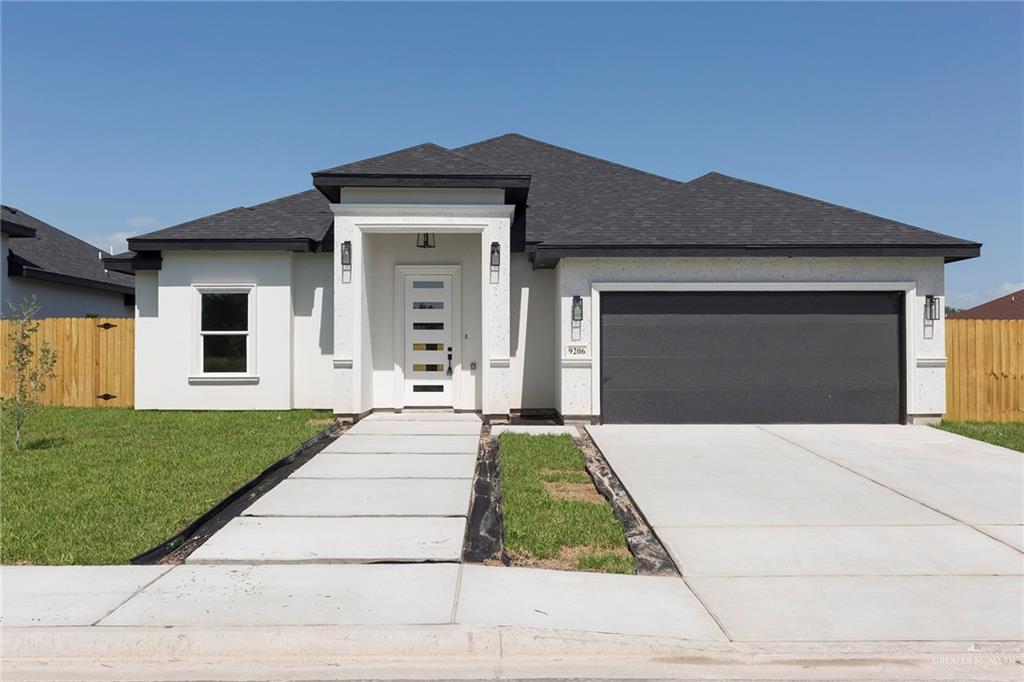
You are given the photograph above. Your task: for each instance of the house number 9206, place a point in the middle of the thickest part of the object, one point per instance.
(576, 351)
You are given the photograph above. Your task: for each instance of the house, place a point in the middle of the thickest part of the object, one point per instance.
(66, 275)
(1008, 307)
(513, 276)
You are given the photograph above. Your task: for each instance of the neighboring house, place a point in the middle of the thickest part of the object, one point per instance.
(66, 275)
(1008, 307)
(513, 275)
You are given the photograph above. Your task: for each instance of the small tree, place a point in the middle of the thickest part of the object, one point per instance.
(31, 370)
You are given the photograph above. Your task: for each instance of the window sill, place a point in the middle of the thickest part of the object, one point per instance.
(223, 379)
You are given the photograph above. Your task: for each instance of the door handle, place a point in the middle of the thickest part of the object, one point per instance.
(449, 372)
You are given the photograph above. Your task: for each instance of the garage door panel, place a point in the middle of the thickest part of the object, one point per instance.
(792, 373)
(752, 406)
(703, 336)
(749, 357)
(728, 303)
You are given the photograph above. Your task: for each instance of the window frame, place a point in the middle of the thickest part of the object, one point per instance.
(198, 375)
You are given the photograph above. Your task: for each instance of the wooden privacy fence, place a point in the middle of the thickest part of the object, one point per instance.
(985, 371)
(95, 360)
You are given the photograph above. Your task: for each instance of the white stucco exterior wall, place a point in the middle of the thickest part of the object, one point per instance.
(291, 339)
(56, 300)
(925, 350)
(312, 329)
(533, 323)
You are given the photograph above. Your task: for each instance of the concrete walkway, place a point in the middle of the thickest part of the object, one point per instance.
(393, 488)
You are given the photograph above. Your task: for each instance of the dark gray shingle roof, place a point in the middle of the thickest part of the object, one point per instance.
(580, 201)
(305, 215)
(576, 199)
(57, 252)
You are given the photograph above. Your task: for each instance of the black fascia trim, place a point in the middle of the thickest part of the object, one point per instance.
(303, 244)
(15, 230)
(951, 253)
(45, 275)
(330, 184)
(143, 260)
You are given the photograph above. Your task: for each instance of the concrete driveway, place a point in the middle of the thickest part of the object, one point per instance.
(835, 532)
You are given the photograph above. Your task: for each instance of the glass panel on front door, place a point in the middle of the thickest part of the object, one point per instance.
(428, 346)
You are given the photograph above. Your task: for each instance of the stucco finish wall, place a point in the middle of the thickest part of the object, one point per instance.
(925, 344)
(292, 338)
(56, 300)
(534, 349)
(312, 330)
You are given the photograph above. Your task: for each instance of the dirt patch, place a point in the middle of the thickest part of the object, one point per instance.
(567, 559)
(319, 422)
(573, 492)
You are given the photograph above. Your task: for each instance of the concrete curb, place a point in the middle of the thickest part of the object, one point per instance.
(332, 652)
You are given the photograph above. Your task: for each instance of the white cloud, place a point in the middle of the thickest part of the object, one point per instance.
(967, 300)
(142, 222)
(1009, 287)
(115, 242)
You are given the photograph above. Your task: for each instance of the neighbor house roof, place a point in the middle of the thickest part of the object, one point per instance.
(570, 203)
(56, 256)
(1008, 307)
(15, 223)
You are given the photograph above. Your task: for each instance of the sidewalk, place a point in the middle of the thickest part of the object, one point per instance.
(318, 621)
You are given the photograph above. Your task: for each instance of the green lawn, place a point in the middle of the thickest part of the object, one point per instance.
(554, 517)
(100, 485)
(1008, 435)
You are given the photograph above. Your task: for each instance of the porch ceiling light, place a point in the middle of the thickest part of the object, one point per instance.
(495, 254)
(931, 308)
(577, 308)
(425, 240)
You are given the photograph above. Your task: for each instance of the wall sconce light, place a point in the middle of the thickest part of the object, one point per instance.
(495, 255)
(931, 308)
(577, 308)
(425, 240)
(346, 255)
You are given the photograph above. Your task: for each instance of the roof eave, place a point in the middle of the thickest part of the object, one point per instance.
(949, 252)
(29, 272)
(301, 244)
(330, 184)
(15, 230)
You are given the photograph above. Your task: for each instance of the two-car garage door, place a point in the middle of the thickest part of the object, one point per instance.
(751, 357)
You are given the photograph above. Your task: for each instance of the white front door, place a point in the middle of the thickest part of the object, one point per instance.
(428, 340)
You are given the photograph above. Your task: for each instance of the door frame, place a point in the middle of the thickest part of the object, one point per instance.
(908, 289)
(401, 271)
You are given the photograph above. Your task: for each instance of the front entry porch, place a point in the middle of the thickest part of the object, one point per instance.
(421, 327)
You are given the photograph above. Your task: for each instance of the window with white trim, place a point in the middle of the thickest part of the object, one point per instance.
(225, 330)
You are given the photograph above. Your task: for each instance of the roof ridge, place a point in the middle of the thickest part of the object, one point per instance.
(577, 153)
(405, 150)
(830, 204)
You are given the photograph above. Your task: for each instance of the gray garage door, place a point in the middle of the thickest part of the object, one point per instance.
(731, 358)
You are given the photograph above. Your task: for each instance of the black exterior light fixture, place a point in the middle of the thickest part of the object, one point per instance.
(346, 256)
(495, 255)
(425, 240)
(577, 308)
(931, 308)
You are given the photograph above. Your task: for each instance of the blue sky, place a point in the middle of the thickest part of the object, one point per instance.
(121, 118)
